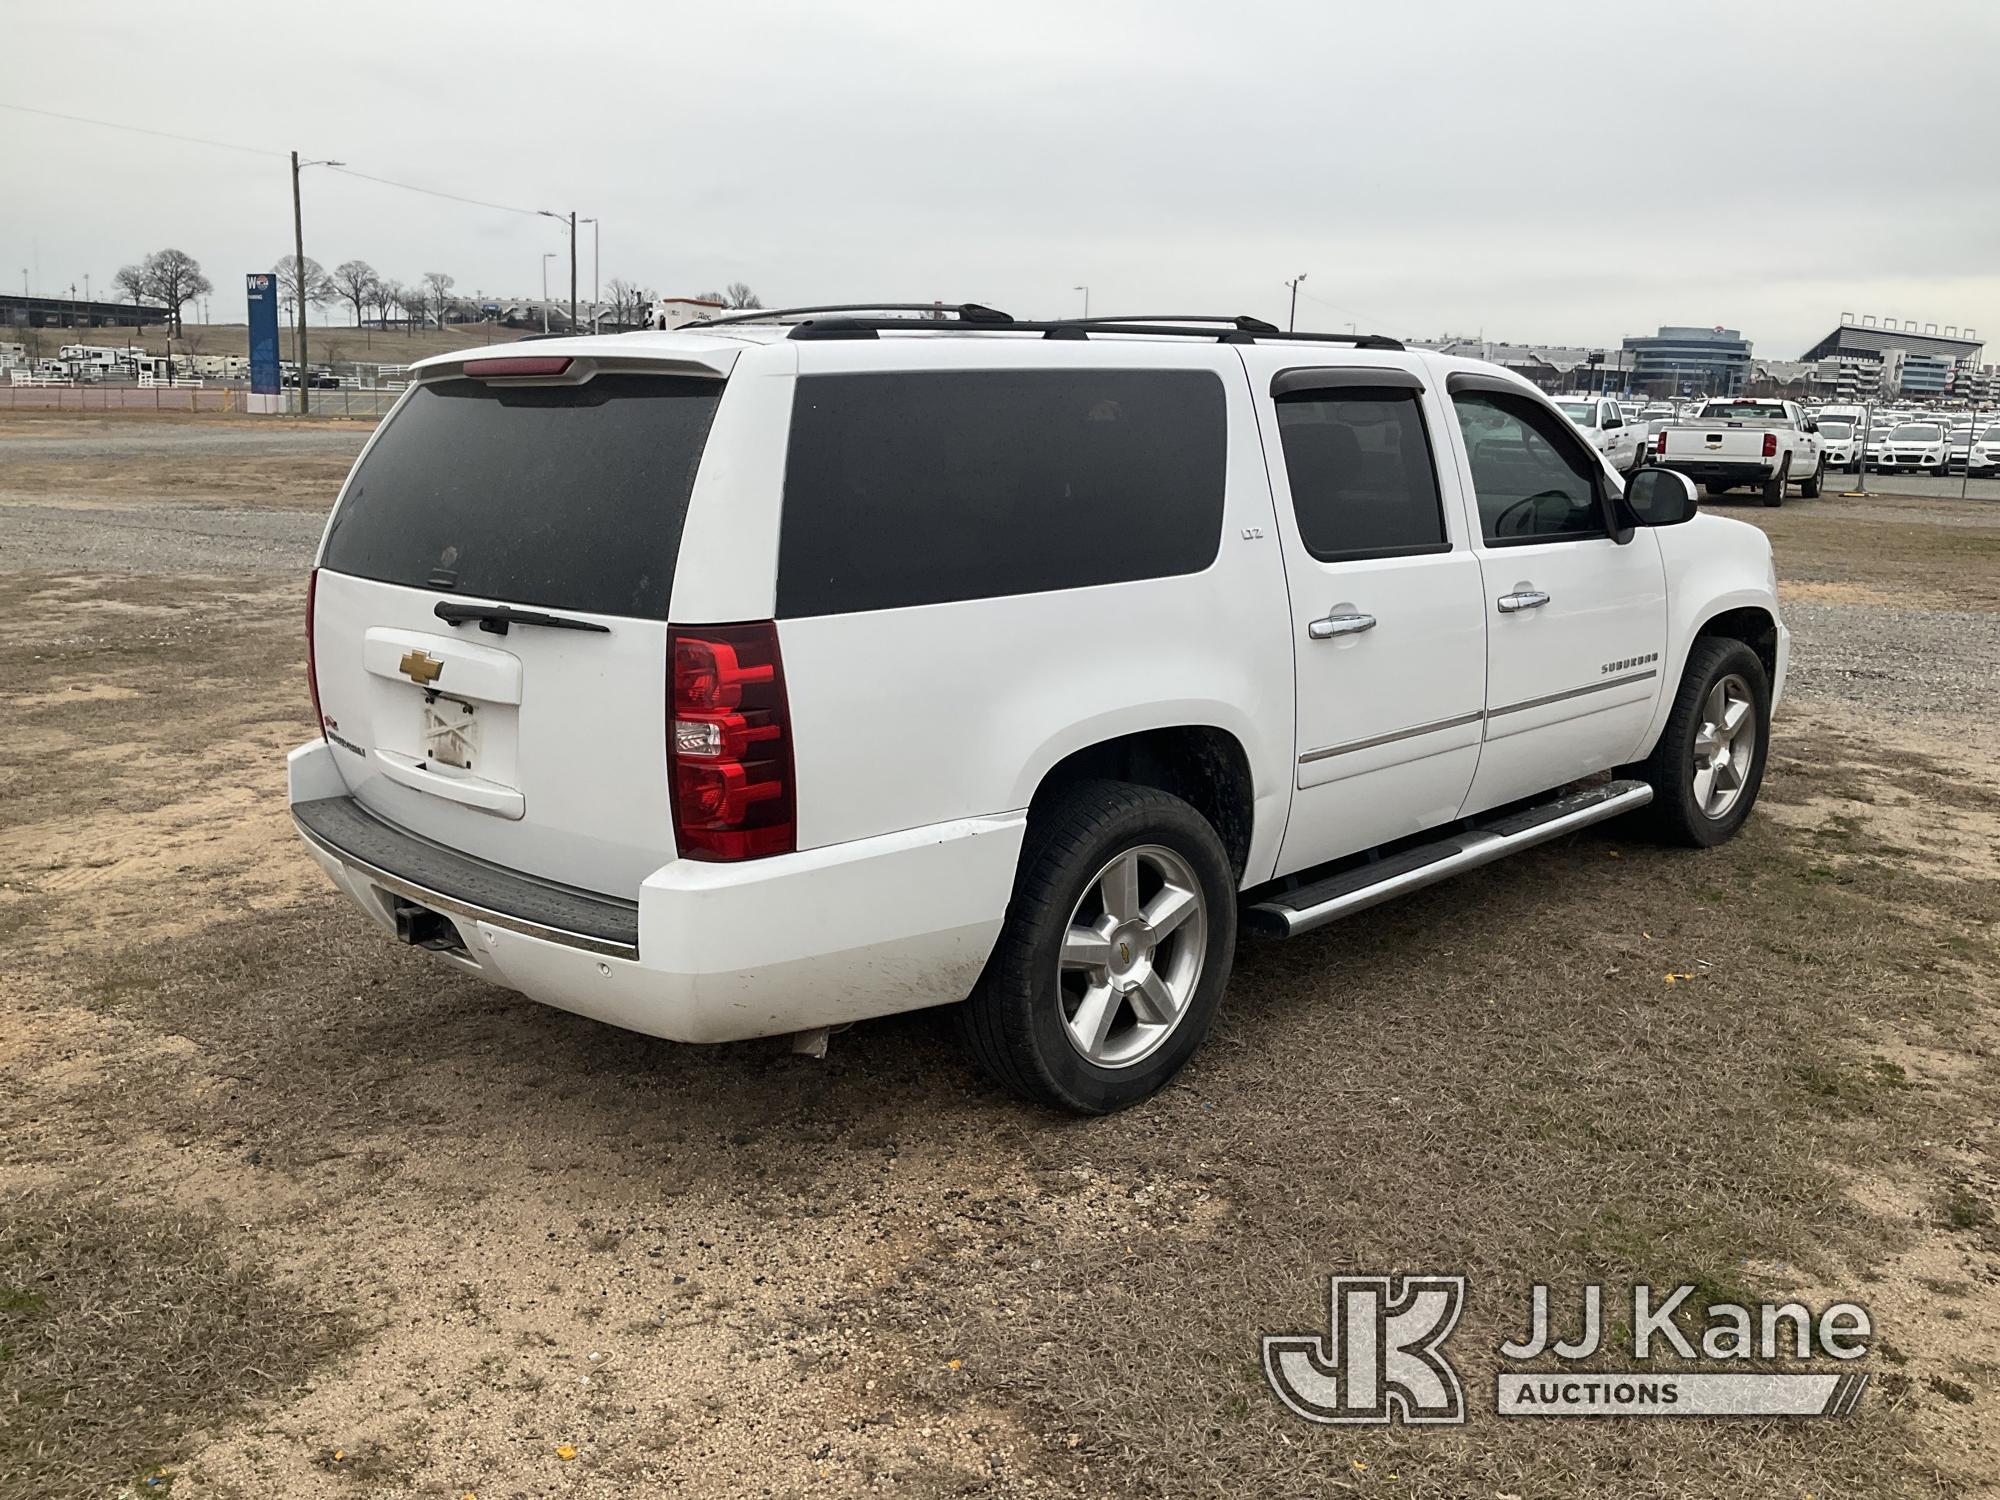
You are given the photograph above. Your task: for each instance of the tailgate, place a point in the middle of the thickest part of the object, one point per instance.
(538, 746)
(1731, 444)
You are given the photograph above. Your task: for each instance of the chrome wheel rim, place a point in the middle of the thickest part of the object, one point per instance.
(1132, 956)
(1724, 746)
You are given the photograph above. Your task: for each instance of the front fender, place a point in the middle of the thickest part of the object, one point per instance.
(1713, 565)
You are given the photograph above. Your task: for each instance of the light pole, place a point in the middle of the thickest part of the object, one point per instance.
(568, 221)
(547, 256)
(299, 275)
(1086, 298)
(596, 278)
(1292, 319)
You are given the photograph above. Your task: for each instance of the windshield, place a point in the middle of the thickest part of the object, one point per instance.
(1915, 432)
(1836, 429)
(1583, 413)
(1991, 435)
(564, 495)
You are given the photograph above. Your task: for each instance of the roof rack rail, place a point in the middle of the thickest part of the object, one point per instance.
(1242, 322)
(1231, 330)
(963, 312)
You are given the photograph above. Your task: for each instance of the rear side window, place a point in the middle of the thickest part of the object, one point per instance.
(920, 488)
(1362, 480)
(570, 496)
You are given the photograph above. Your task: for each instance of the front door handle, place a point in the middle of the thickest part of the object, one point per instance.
(1333, 625)
(1522, 599)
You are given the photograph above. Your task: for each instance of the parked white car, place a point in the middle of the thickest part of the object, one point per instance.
(1600, 419)
(762, 676)
(1985, 455)
(1840, 443)
(1767, 444)
(1911, 447)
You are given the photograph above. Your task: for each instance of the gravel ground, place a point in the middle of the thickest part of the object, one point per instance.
(1921, 663)
(159, 539)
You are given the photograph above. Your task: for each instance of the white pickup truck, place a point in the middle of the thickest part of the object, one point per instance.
(781, 671)
(1601, 420)
(1763, 444)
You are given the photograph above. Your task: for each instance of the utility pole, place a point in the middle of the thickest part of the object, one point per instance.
(596, 274)
(572, 271)
(547, 256)
(299, 276)
(1292, 319)
(1086, 300)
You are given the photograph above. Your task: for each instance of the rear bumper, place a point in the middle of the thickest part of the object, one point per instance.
(1717, 471)
(708, 952)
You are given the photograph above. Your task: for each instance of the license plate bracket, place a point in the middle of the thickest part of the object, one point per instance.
(451, 732)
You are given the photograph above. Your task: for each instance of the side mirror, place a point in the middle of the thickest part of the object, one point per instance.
(1661, 497)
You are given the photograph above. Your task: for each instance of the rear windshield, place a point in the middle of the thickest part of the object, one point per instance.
(1742, 411)
(567, 496)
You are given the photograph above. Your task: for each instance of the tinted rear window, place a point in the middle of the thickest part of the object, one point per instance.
(567, 496)
(918, 488)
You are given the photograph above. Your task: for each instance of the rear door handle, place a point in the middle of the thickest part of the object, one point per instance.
(1521, 599)
(1333, 625)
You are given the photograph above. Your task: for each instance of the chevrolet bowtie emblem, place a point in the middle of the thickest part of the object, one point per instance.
(1124, 953)
(420, 667)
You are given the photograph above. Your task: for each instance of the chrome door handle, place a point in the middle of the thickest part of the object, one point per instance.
(1522, 599)
(1333, 625)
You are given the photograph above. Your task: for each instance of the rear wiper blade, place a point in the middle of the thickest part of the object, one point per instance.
(497, 617)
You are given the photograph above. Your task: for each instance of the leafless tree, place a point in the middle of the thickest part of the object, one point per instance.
(355, 281)
(739, 295)
(629, 302)
(315, 285)
(173, 278)
(385, 297)
(439, 286)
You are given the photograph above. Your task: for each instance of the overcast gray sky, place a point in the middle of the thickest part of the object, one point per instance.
(1562, 172)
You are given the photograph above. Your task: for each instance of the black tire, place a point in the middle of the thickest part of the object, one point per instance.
(1013, 1024)
(1774, 487)
(1942, 471)
(1674, 815)
(1810, 488)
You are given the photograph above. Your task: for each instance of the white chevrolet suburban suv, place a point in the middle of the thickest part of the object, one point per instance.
(758, 677)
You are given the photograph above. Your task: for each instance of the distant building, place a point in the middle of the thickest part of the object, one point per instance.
(1695, 361)
(1886, 360)
(674, 312)
(1552, 367)
(73, 312)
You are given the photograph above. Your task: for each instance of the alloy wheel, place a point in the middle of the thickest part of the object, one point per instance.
(1132, 956)
(1725, 745)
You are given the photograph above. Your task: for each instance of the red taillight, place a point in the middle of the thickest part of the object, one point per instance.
(519, 367)
(1662, 449)
(1770, 445)
(312, 665)
(729, 742)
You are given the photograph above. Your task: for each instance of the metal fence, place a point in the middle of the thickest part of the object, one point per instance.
(345, 402)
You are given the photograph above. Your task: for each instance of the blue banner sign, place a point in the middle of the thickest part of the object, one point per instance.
(263, 294)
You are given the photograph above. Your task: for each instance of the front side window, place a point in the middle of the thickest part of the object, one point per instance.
(1534, 480)
(1359, 463)
(923, 487)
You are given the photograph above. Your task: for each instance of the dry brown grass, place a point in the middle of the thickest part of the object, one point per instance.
(1900, 549)
(127, 1324)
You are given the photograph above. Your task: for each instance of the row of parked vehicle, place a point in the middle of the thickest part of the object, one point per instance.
(1771, 445)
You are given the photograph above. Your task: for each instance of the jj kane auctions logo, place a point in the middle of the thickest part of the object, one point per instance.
(1382, 1358)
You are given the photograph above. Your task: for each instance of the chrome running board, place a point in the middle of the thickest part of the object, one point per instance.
(1310, 906)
